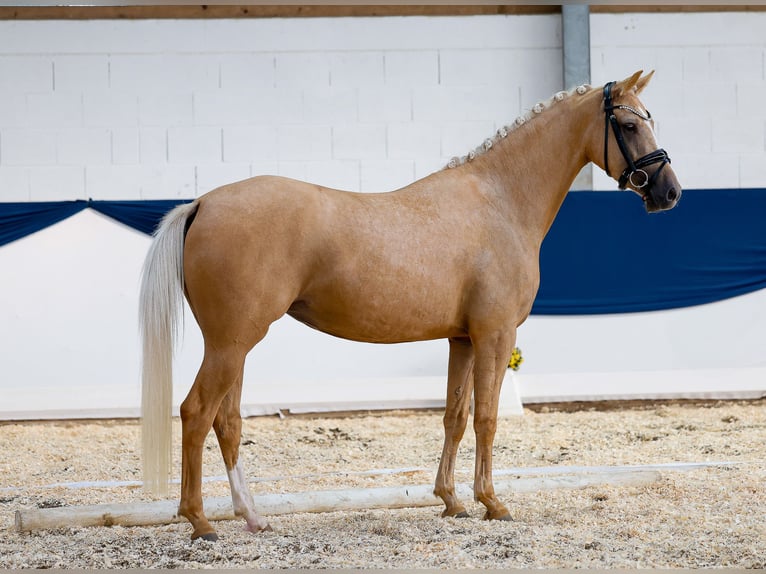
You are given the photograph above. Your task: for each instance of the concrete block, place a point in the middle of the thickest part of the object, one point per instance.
(113, 181)
(354, 69)
(413, 140)
(249, 143)
(458, 138)
(539, 74)
(25, 74)
(359, 141)
(266, 167)
(365, 34)
(151, 73)
(139, 181)
(486, 32)
(168, 109)
(101, 36)
(737, 135)
(247, 71)
(153, 145)
(682, 28)
(83, 146)
(57, 183)
(411, 68)
(125, 145)
(602, 182)
(80, 73)
(196, 144)
(293, 170)
(687, 134)
(210, 177)
(737, 64)
(13, 111)
(696, 171)
(633, 29)
(541, 85)
(709, 99)
(695, 63)
(251, 35)
(387, 104)
(265, 106)
(338, 174)
(752, 170)
(302, 70)
(110, 109)
(169, 181)
(304, 143)
(54, 110)
(750, 99)
(28, 147)
(610, 63)
(464, 104)
(479, 67)
(427, 166)
(386, 175)
(330, 105)
(14, 182)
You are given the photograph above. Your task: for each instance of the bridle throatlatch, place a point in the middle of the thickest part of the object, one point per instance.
(634, 173)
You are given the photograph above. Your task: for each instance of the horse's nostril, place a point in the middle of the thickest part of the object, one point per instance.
(672, 194)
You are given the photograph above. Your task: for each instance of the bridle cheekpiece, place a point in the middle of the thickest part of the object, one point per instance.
(634, 173)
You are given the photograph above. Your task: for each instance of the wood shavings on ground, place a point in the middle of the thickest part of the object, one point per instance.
(706, 517)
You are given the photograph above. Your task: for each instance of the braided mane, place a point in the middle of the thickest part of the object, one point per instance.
(503, 132)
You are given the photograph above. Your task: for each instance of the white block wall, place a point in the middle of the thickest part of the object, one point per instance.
(162, 108)
(159, 109)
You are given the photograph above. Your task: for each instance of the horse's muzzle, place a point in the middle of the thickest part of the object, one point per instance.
(662, 198)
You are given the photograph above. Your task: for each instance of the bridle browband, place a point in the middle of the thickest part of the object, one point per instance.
(634, 167)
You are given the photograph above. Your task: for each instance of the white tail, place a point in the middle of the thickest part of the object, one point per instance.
(160, 308)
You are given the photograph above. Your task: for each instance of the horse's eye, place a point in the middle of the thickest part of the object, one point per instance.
(629, 127)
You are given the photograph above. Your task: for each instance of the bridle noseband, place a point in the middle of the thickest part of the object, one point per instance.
(630, 174)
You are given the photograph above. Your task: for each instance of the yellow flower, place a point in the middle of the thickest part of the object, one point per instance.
(516, 359)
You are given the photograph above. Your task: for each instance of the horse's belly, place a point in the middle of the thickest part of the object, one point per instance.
(382, 318)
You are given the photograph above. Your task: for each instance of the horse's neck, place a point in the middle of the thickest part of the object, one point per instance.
(534, 167)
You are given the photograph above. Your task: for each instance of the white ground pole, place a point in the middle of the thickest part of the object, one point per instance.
(220, 508)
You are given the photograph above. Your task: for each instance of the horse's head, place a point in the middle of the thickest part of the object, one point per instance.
(629, 151)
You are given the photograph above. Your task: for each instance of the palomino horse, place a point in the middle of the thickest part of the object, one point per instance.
(452, 256)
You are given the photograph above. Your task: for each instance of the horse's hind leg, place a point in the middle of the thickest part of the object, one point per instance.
(221, 369)
(459, 388)
(228, 429)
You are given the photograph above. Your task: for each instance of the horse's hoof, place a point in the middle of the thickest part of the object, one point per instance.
(210, 537)
(458, 514)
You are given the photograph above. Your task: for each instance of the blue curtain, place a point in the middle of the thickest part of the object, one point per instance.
(603, 254)
(18, 220)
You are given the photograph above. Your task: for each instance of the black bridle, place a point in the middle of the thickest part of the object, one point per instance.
(634, 167)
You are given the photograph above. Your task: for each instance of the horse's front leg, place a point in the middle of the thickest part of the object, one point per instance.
(459, 387)
(492, 354)
(228, 429)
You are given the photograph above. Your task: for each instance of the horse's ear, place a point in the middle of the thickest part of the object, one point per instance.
(642, 82)
(628, 84)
